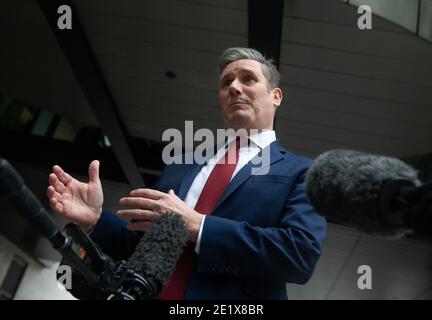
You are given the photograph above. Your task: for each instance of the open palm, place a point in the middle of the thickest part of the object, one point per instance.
(77, 201)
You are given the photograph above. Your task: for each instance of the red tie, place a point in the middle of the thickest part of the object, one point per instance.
(213, 189)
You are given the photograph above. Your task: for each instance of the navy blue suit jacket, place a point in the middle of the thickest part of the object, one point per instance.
(262, 233)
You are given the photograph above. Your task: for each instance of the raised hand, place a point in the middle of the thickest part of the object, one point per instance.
(77, 201)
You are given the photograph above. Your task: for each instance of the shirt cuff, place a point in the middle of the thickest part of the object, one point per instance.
(198, 243)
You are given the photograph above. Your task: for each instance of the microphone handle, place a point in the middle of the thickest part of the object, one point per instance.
(135, 286)
(29, 207)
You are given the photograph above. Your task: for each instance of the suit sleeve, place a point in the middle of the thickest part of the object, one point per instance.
(113, 237)
(286, 252)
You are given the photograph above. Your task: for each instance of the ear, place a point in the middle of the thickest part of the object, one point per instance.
(277, 97)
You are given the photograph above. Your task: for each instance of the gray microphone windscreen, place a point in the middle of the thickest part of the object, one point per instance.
(159, 249)
(345, 186)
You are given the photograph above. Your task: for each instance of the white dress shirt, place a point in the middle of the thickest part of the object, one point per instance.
(258, 142)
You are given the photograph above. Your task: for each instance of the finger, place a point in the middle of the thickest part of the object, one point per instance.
(56, 206)
(142, 203)
(61, 175)
(51, 193)
(139, 225)
(172, 193)
(137, 214)
(93, 171)
(147, 193)
(56, 183)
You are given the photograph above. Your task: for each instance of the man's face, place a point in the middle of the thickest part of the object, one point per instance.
(245, 98)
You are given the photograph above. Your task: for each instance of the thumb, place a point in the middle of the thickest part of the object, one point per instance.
(93, 171)
(171, 192)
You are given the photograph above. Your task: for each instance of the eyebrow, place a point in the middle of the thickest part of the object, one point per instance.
(240, 70)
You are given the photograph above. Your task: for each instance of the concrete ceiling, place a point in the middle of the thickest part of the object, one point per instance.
(343, 87)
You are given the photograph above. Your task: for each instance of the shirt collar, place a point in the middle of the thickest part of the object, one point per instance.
(261, 139)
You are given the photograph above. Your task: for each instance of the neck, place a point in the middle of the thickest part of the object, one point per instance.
(250, 131)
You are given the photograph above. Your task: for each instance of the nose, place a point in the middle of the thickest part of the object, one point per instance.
(235, 88)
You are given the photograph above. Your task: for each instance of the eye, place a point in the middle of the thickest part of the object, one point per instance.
(248, 79)
(226, 82)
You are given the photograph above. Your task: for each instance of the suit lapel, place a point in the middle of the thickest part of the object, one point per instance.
(246, 171)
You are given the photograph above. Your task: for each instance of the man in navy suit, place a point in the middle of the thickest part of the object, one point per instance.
(259, 234)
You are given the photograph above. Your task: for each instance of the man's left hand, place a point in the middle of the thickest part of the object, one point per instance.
(145, 205)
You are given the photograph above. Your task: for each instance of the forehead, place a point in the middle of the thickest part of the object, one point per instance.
(242, 65)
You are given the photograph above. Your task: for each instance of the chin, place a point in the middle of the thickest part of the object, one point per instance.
(239, 123)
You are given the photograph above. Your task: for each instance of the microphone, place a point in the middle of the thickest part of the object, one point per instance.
(146, 272)
(158, 251)
(96, 275)
(376, 194)
(30, 208)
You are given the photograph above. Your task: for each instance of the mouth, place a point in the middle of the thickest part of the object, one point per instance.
(237, 104)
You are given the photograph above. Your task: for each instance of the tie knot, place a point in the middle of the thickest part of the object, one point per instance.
(241, 141)
(232, 154)
(238, 143)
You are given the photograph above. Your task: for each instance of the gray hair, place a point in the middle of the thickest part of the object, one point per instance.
(269, 70)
